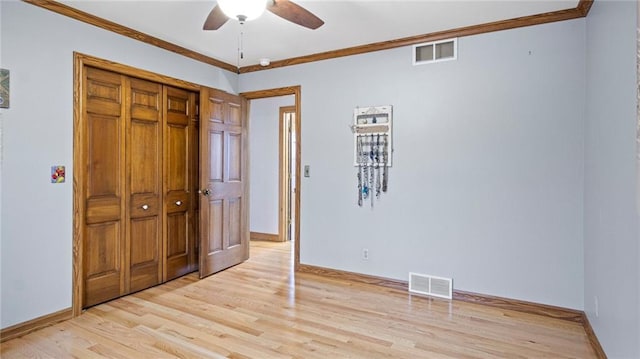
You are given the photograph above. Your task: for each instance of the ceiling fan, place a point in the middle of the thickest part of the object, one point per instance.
(251, 9)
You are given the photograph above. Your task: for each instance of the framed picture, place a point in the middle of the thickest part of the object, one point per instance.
(4, 88)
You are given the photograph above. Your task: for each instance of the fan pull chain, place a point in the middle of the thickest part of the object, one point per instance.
(240, 51)
(241, 45)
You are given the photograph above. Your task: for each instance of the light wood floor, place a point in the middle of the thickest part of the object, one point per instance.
(259, 310)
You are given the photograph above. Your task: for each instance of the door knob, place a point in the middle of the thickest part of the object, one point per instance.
(206, 191)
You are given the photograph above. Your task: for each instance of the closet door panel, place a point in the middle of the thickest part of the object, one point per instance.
(144, 252)
(194, 178)
(177, 159)
(104, 142)
(103, 92)
(176, 224)
(104, 160)
(144, 149)
(145, 205)
(103, 264)
(144, 161)
(177, 195)
(103, 209)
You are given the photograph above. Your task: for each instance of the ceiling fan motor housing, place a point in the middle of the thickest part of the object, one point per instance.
(243, 10)
(247, 10)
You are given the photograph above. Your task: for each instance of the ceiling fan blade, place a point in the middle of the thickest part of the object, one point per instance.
(215, 19)
(294, 13)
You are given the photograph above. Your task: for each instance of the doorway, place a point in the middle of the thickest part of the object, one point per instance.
(287, 172)
(295, 152)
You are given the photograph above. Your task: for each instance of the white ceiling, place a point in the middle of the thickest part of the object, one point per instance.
(347, 23)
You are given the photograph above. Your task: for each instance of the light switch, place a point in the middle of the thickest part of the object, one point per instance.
(306, 170)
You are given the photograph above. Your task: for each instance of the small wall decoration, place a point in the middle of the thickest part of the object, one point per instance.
(57, 174)
(4, 88)
(373, 147)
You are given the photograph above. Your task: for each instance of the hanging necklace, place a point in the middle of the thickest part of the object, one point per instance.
(359, 159)
(365, 169)
(371, 170)
(378, 166)
(385, 162)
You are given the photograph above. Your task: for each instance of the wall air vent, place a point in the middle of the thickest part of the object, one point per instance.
(430, 285)
(436, 51)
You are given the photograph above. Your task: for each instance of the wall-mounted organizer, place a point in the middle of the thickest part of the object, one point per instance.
(372, 150)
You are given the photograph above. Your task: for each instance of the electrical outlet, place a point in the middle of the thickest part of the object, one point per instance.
(365, 254)
(595, 300)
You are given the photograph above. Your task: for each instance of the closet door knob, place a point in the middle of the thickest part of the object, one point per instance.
(145, 207)
(178, 203)
(206, 191)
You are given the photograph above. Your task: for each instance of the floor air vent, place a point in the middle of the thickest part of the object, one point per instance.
(430, 285)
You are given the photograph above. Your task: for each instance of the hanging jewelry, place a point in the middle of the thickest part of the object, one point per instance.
(373, 149)
(365, 169)
(385, 162)
(378, 184)
(359, 159)
(371, 170)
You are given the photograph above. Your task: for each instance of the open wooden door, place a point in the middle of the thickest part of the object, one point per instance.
(224, 200)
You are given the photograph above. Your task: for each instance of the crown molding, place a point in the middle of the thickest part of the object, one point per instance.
(76, 14)
(581, 10)
(561, 15)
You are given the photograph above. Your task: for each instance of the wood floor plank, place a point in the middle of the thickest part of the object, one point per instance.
(262, 309)
(19, 348)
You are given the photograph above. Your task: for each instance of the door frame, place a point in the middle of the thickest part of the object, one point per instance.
(284, 173)
(79, 62)
(276, 92)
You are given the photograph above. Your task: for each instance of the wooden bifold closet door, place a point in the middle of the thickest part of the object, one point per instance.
(143, 150)
(180, 182)
(104, 222)
(140, 158)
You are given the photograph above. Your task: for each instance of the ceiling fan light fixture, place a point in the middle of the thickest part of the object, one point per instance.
(243, 10)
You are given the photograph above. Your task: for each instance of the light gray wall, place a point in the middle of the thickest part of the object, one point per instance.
(487, 178)
(487, 184)
(1, 166)
(36, 236)
(264, 125)
(611, 216)
(638, 169)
